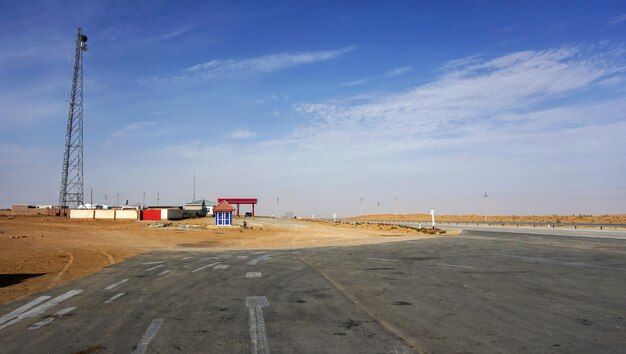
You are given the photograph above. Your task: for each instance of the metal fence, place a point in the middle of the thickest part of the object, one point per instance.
(428, 223)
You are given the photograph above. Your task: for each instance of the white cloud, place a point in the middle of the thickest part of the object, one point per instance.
(391, 73)
(242, 133)
(512, 121)
(144, 130)
(617, 20)
(399, 71)
(263, 64)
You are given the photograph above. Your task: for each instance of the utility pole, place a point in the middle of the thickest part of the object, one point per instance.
(158, 196)
(91, 199)
(194, 185)
(378, 205)
(106, 198)
(71, 194)
(485, 206)
(361, 205)
(144, 199)
(396, 203)
(117, 199)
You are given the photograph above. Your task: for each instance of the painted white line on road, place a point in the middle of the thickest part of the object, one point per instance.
(20, 310)
(186, 258)
(155, 267)
(383, 259)
(242, 257)
(253, 275)
(42, 308)
(209, 258)
(114, 297)
(571, 264)
(47, 320)
(151, 332)
(454, 265)
(156, 262)
(257, 323)
(221, 266)
(262, 258)
(164, 272)
(113, 286)
(204, 267)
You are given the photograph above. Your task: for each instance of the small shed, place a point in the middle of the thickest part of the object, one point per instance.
(223, 214)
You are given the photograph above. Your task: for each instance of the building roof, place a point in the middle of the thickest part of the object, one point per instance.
(223, 206)
(202, 201)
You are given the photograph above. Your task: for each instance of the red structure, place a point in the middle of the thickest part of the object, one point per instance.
(238, 201)
(151, 214)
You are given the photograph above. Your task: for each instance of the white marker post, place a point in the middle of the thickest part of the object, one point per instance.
(334, 216)
(432, 215)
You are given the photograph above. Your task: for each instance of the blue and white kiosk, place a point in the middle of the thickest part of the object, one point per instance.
(223, 214)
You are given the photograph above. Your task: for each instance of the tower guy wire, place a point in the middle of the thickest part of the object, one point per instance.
(71, 194)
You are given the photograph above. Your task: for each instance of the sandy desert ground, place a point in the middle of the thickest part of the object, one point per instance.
(582, 219)
(39, 253)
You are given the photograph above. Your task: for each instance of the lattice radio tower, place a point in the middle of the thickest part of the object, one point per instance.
(71, 194)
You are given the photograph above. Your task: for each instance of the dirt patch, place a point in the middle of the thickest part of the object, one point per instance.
(39, 253)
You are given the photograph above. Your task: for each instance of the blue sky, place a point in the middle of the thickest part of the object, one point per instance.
(415, 104)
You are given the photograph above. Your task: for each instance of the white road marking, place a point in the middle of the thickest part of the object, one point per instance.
(115, 297)
(156, 262)
(42, 308)
(186, 258)
(16, 312)
(203, 267)
(571, 264)
(151, 332)
(47, 320)
(454, 265)
(253, 275)
(384, 259)
(262, 258)
(257, 323)
(242, 257)
(221, 266)
(164, 272)
(113, 286)
(155, 267)
(209, 258)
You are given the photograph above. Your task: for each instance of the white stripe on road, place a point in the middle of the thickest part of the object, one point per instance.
(151, 332)
(384, 259)
(164, 272)
(209, 258)
(113, 286)
(203, 267)
(155, 267)
(186, 258)
(242, 257)
(115, 297)
(571, 264)
(253, 275)
(14, 313)
(156, 262)
(42, 308)
(454, 265)
(221, 266)
(262, 258)
(257, 324)
(47, 320)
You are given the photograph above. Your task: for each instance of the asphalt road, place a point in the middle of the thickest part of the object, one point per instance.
(476, 293)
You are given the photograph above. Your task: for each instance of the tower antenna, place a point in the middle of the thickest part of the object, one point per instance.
(71, 194)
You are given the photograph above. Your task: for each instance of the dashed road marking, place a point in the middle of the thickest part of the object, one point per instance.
(253, 275)
(209, 258)
(42, 308)
(47, 320)
(262, 258)
(155, 262)
(20, 310)
(571, 264)
(164, 272)
(151, 332)
(204, 267)
(221, 266)
(186, 258)
(384, 259)
(114, 297)
(155, 267)
(257, 323)
(113, 286)
(242, 257)
(454, 266)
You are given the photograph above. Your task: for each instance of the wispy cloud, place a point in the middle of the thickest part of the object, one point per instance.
(260, 65)
(242, 133)
(617, 20)
(515, 115)
(391, 73)
(137, 130)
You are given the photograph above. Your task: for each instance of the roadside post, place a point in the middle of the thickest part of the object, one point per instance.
(432, 215)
